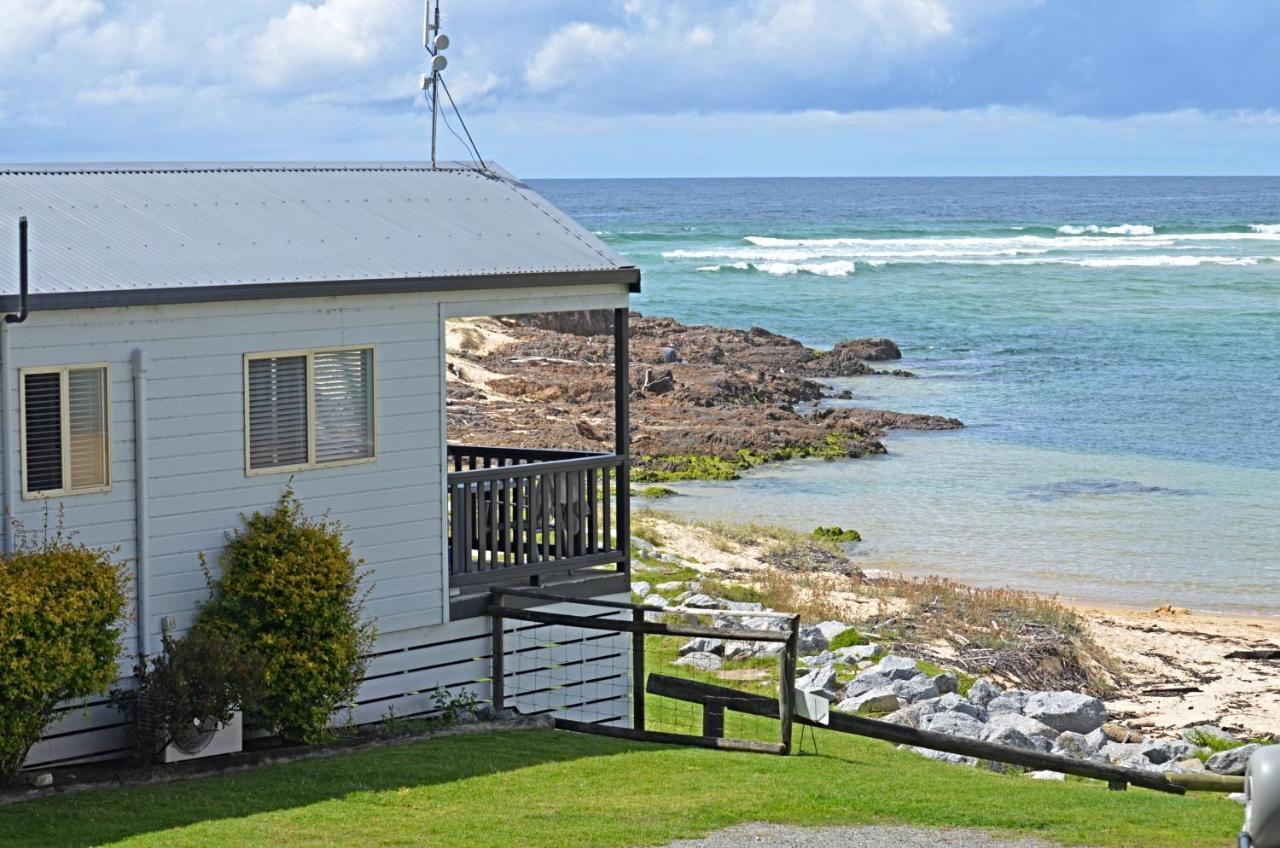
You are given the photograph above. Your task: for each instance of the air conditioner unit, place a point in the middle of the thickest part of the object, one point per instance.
(208, 738)
(206, 741)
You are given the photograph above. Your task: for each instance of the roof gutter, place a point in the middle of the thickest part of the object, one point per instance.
(628, 276)
(23, 310)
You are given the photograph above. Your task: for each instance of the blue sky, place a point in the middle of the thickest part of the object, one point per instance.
(658, 87)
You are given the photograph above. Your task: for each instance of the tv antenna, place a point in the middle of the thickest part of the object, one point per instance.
(436, 43)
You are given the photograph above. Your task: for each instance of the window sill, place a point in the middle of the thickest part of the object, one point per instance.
(307, 466)
(64, 493)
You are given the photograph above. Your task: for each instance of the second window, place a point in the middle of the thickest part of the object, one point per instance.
(308, 408)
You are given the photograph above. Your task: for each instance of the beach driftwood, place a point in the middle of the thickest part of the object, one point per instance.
(746, 702)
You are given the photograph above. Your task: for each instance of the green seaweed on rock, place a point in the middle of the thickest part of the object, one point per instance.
(668, 468)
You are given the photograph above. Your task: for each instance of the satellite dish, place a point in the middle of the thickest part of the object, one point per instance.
(441, 42)
(438, 63)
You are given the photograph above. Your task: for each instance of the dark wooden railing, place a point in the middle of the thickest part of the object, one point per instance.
(516, 515)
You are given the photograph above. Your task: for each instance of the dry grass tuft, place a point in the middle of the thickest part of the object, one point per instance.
(1032, 640)
(780, 547)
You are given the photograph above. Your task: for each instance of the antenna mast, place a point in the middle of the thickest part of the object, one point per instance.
(435, 42)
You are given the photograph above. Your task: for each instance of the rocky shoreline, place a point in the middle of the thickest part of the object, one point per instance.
(707, 402)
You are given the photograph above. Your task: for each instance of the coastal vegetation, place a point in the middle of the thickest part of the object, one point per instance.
(1032, 640)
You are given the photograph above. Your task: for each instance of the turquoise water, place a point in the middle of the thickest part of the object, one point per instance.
(1111, 343)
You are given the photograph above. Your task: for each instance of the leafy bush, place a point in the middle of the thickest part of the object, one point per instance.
(61, 605)
(847, 639)
(290, 588)
(194, 686)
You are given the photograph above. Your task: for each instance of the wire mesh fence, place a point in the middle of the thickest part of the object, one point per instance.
(588, 661)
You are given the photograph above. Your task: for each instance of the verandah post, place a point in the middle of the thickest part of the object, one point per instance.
(622, 429)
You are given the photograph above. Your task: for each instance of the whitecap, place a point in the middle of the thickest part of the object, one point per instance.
(1164, 261)
(1122, 230)
(1265, 228)
(736, 266)
(839, 268)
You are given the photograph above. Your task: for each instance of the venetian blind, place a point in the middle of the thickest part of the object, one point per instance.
(343, 393)
(65, 445)
(87, 427)
(277, 405)
(42, 432)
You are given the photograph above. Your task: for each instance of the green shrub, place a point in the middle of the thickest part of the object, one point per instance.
(290, 588)
(61, 606)
(195, 685)
(837, 534)
(847, 639)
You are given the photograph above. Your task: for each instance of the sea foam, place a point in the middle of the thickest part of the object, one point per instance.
(1122, 230)
(839, 268)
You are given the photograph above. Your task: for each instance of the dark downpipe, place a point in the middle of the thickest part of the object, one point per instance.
(22, 275)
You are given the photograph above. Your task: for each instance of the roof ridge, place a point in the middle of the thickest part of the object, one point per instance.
(77, 168)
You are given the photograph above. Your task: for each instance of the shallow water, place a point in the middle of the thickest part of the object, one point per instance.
(1112, 345)
(1097, 527)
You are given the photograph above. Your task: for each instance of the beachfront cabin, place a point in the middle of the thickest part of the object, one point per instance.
(196, 337)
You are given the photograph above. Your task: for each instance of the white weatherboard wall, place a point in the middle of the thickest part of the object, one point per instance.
(568, 672)
(393, 508)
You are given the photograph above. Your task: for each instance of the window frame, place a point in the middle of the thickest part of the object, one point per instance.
(64, 420)
(311, 463)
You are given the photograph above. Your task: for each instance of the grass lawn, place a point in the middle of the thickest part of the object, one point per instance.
(548, 788)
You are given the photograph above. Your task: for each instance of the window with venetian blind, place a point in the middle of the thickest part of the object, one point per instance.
(308, 408)
(65, 432)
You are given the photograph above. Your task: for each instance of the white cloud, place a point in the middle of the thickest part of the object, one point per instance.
(573, 51)
(128, 88)
(467, 87)
(333, 36)
(27, 25)
(676, 46)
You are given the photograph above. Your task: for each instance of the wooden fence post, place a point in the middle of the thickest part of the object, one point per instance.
(787, 685)
(713, 720)
(637, 672)
(498, 686)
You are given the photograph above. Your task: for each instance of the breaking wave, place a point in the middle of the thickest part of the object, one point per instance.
(1122, 230)
(1124, 246)
(840, 268)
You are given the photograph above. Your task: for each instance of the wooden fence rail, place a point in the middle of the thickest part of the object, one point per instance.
(709, 694)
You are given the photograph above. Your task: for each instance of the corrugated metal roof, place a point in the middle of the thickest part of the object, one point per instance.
(157, 227)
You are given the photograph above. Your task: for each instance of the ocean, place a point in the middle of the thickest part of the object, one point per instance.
(1112, 344)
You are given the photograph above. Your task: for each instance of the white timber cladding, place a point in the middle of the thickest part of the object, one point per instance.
(392, 506)
(309, 408)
